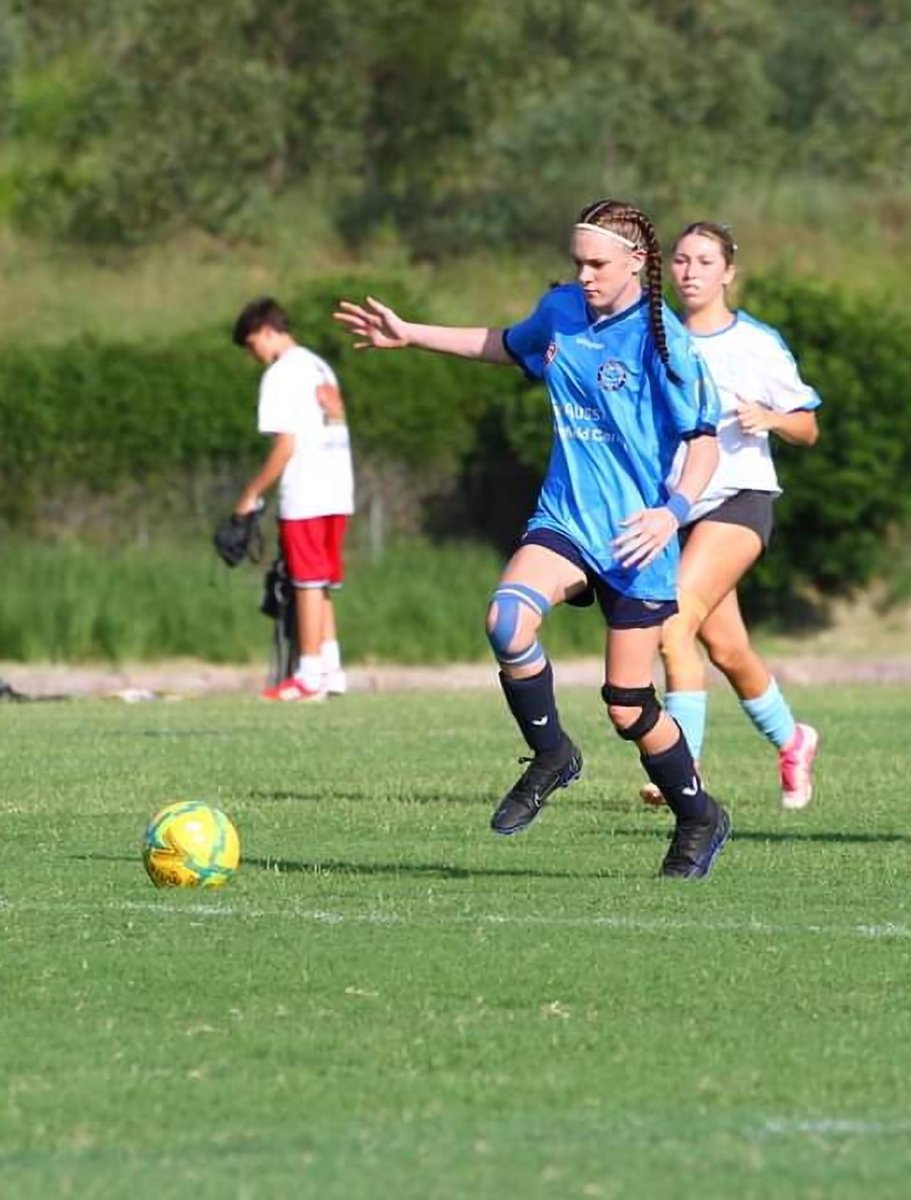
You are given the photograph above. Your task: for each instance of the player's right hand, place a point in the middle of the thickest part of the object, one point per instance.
(375, 324)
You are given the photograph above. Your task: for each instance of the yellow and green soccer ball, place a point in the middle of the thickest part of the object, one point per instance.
(190, 844)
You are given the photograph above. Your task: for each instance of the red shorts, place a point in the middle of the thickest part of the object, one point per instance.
(312, 548)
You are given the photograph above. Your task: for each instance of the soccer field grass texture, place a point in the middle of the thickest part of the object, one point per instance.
(388, 1000)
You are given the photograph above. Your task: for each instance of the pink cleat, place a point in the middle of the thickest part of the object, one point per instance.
(291, 689)
(795, 766)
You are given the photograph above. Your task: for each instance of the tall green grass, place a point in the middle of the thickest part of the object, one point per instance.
(417, 603)
(857, 237)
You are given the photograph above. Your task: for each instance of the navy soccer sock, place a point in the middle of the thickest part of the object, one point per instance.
(534, 706)
(673, 773)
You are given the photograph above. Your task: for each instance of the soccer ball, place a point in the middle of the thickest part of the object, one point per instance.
(190, 844)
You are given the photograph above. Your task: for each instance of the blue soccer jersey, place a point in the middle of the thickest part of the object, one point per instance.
(618, 421)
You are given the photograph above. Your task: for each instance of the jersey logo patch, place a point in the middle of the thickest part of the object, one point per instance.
(550, 354)
(612, 375)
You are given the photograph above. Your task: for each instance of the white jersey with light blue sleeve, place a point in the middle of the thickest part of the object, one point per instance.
(749, 361)
(618, 421)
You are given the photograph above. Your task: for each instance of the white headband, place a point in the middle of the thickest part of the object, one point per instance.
(617, 237)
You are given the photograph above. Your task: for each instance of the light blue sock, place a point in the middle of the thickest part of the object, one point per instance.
(689, 711)
(771, 715)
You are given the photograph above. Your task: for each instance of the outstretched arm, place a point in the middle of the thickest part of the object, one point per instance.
(378, 327)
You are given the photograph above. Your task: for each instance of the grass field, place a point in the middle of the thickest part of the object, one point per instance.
(390, 1001)
(419, 603)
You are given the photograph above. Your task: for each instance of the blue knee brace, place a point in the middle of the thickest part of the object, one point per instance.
(509, 599)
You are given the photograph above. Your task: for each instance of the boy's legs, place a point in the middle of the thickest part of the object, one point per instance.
(334, 679)
(309, 605)
(303, 549)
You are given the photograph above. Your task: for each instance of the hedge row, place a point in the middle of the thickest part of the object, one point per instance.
(92, 415)
(847, 501)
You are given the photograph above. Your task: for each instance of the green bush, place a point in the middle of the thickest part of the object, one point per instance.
(846, 498)
(95, 417)
(92, 416)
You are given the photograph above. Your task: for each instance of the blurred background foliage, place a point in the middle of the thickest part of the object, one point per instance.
(462, 124)
(162, 162)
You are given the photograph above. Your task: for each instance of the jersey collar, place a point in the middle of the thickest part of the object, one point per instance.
(718, 332)
(596, 322)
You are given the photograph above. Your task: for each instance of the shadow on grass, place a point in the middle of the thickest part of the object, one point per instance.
(318, 866)
(317, 795)
(829, 837)
(438, 870)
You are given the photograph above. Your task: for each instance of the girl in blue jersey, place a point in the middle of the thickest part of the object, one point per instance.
(627, 391)
(729, 527)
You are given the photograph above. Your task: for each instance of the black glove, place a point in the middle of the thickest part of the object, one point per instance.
(238, 537)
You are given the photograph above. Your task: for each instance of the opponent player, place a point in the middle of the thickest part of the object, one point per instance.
(626, 389)
(729, 527)
(300, 406)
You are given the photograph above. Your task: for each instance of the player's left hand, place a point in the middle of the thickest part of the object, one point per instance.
(647, 533)
(754, 417)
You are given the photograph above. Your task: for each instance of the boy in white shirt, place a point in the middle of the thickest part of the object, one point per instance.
(301, 409)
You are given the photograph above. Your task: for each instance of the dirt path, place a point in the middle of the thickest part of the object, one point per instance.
(143, 681)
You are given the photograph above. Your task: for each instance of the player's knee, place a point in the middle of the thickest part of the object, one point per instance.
(513, 619)
(727, 654)
(633, 712)
(623, 718)
(678, 634)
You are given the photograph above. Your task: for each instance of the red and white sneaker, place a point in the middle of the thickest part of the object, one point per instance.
(335, 682)
(795, 767)
(291, 689)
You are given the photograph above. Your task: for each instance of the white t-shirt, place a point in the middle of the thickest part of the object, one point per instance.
(318, 479)
(748, 361)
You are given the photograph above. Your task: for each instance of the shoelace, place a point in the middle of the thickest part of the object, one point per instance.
(528, 779)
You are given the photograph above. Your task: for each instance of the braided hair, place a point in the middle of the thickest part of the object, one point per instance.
(631, 223)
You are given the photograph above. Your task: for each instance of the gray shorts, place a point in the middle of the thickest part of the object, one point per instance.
(752, 510)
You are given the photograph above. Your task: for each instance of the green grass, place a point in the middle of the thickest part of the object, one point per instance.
(388, 1000)
(419, 602)
(75, 602)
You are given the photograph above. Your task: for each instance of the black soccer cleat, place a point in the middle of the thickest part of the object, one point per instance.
(528, 795)
(695, 845)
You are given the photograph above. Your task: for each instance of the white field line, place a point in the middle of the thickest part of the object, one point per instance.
(656, 925)
(833, 1127)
